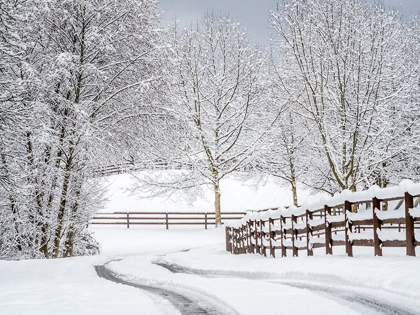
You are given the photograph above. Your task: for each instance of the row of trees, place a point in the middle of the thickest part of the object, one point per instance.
(333, 105)
(69, 70)
(350, 73)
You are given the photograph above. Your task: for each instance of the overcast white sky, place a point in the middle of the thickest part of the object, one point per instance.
(252, 14)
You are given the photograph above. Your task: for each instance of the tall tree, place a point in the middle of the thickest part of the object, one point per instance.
(340, 51)
(83, 66)
(217, 91)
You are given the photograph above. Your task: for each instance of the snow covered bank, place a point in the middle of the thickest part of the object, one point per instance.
(69, 286)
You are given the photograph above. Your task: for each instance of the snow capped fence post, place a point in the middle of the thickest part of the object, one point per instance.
(227, 238)
(167, 220)
(128, 220)
(282, 237)
(328, 236)
(270, 222)
(205, 220)
(309, 250)
(239, 243)
(241, 240)
(248, 236)
(232, 237)
(262, 235)
(294, 235)
(347, 228)
(243, 248)
(257, 247)
(261, 238)
(376, 204)
(251, 245)
(294, 228)
(409, 225)
(238, 240)
(232, 240)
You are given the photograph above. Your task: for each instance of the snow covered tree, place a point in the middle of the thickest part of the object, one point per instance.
(86, 66)
(14, 114)
(400, 103)
(340, 50)
(217, 92)
(285, 143)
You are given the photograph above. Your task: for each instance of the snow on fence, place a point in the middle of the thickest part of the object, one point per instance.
(346, 219)
(162, 218)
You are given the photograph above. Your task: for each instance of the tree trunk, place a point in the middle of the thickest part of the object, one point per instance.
(383, 183)
(217, 206)
(13, 207)
(295, 196)
(69, 244)
(61, 210)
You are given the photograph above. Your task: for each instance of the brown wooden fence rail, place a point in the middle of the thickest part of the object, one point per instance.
(330, 226)
(162, 218)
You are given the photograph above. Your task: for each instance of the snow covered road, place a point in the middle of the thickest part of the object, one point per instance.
(183, 271)
(187, 303)
(365, 302)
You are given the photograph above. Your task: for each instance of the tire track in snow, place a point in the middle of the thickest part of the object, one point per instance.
(187, 305)
(377, 305)
(352, 297)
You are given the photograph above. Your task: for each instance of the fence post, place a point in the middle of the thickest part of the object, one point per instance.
(239, 241)
(262, 234)
(283, 237)
(227, 238)
(247, 237)
(295, 250)
(243, 240)
(376, 204)
(409, 226)
(231, 236)
(236, 241)
(347, 228)
(205, 220)
(167, 220)
(270, 221)
(128, 220)
(309, 250)
(251, 246)
(328, 236)
(257, 247)
(232, 240)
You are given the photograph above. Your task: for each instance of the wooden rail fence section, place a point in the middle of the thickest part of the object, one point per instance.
(162, 218)
(329, 226)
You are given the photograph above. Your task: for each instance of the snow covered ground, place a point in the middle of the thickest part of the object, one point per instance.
(241, 284)
(191, 265)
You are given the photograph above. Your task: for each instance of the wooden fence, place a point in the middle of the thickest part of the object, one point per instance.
(354, 222)
(162, 218)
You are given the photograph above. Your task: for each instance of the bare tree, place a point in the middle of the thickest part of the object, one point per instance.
(217, 93)
(340, 51)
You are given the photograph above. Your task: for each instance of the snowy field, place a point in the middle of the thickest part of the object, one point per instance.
(210, 277)
(236, 196)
